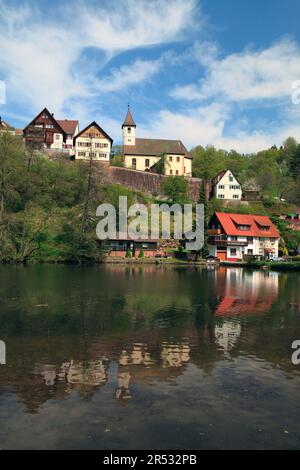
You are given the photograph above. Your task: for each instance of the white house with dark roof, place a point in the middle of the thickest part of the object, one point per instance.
(144, 154)
(226, 186)
(92, 142)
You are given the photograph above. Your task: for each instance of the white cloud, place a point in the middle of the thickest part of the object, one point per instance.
(40, 54)
(249, 75)
(129, 75)
(125, 25)
(201, 125)
(206, 126)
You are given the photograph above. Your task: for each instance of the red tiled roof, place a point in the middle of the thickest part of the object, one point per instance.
(230, 223)
(68, 125)
(156, 147)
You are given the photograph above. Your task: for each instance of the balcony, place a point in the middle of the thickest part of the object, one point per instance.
(223, 240)
(215, 231)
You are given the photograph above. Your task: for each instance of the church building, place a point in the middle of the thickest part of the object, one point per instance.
(144, 154)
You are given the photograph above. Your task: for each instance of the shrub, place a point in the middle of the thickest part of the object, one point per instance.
(141, 254)
(128, 254)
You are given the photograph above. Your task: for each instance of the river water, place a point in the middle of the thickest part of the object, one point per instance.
(152, 357)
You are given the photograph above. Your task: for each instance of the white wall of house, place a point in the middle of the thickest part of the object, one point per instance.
(100, 148)
(69, 141)
(57, 142)
(256, 247)
(228, 188)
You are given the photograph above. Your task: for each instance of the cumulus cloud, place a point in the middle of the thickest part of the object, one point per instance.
(249, 75)
(205, 125)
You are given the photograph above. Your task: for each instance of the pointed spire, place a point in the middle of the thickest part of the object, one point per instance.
(129, 119)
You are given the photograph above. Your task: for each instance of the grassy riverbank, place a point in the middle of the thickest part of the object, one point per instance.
(270, 265)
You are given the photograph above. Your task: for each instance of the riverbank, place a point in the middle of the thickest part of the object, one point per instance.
(272, 265)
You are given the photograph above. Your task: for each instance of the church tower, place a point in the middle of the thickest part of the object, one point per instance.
(128, 129)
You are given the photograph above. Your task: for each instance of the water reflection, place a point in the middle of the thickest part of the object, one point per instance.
(125, 333)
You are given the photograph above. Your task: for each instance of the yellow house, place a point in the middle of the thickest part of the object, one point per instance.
(93, 142)
(144, 154)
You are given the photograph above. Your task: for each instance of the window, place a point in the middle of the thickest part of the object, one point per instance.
(177, 172)
(235, 196)
(232, 251)
(221, 196)
(243, 227)
(134, 163)
(129, 130)
(101, 145)
(81, 154)
(234, 237)
(184, 170)
(230, 178)
(171, 172)
(147, 162)
(170, 159)
(178, 159)
(221, 186)
(272, 240)
(57, 136)
(264, 228)
(250, 252)
(250, 239)
(49, 126)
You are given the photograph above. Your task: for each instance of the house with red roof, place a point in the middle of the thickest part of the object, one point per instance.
(232, 236)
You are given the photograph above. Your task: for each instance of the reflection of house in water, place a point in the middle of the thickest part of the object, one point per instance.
(90, 373)
(138, 365)
(174, 355)
(48, 372)
(241, 293)
(138, 355)
(226, 334)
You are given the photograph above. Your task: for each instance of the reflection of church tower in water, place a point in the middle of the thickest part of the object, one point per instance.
(122, 391)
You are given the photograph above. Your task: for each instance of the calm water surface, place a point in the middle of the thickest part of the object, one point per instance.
(148, 358)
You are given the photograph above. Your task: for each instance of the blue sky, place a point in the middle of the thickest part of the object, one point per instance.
(209, 72)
